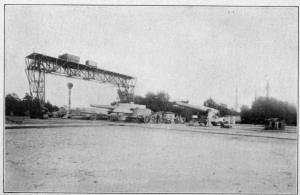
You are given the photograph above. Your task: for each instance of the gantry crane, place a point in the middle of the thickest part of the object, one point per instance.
(37, 65)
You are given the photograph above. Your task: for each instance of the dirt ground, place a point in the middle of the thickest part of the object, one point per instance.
(106, 158)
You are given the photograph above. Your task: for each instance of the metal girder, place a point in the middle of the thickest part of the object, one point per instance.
(126, 94)
(36, 79)
(37, 65)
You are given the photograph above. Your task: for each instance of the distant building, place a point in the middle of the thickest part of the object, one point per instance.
(274, 124)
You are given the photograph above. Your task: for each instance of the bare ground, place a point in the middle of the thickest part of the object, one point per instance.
(137, 159)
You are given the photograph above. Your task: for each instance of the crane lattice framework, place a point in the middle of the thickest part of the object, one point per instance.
(37, 65)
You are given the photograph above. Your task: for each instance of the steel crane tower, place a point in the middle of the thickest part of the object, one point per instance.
(37, 65)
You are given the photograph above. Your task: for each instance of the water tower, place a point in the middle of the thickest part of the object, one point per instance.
(70, 86)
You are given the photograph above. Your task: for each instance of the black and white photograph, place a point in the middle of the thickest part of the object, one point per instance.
(150, 98)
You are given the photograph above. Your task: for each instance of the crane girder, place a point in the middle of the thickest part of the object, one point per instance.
(37, 65)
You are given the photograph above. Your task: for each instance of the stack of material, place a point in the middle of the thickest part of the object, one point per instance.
(69, 57)
(91, 63)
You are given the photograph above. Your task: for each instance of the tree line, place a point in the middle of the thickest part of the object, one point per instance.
(27, 106)
(263, 108)
(161, 102)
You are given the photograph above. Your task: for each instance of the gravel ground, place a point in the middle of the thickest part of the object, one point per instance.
(138, 159)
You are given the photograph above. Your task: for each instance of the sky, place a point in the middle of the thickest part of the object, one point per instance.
(191, 52)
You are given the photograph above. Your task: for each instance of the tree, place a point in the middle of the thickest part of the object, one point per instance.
(263, 108)
(27, 106)
(163, 96)
(210, 103)
(156, 102)
(11, 102)
(223, 109)
(50, 107)
(36, 109)
(139, 99)
(246, 114)
(27, 100)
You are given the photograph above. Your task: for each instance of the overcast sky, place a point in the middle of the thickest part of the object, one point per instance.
(192, 53)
